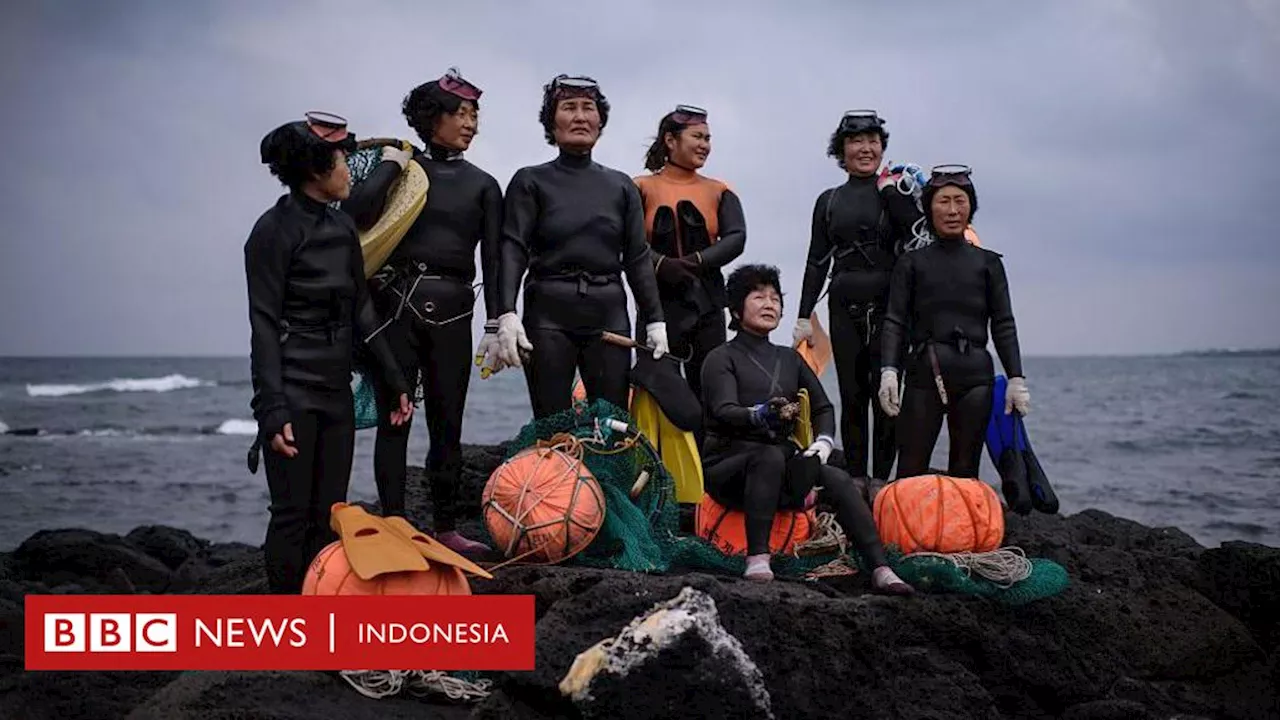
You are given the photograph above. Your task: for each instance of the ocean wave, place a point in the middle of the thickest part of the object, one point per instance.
(232, 427)
(3, 428)
(237, 427)
(168, 383)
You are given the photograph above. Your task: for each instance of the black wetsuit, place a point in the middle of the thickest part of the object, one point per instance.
(861, 230)
(576, 227)
(431, 273)
(942, 298)
(745, 462)
(309, 309)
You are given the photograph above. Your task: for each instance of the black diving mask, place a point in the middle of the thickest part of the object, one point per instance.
(689, 115)
(956, 174)
(859, 121)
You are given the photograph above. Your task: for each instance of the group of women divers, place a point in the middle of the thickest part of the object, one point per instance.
(567, 232)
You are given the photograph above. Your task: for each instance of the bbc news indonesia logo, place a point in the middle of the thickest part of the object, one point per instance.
(278, 632)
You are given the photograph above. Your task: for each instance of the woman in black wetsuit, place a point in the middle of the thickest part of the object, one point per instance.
(576, 227)
(861, 226)
(942, 299)
(309, 308)
(426, 288)
(749, 458)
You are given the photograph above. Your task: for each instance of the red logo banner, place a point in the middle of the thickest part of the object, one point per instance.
(279, 632)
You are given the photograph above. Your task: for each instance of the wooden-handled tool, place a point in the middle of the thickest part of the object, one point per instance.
(626, 342)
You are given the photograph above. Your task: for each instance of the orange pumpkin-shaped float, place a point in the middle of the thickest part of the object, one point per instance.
(331, 574)
(727, 528)
(543, 505)
(937, 513)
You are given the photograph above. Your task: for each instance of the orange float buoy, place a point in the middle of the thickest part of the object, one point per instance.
(937, 513)
(543, 505)
(727, 528)
(331, 574)
(580, 392)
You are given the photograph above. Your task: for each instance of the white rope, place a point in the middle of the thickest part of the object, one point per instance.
(378, 684)
(920, 236)
(826, 536)
(1004, 567)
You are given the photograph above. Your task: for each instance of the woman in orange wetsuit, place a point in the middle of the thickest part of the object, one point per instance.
(695, 226)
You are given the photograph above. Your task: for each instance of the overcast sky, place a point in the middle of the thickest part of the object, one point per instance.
(1126, 154)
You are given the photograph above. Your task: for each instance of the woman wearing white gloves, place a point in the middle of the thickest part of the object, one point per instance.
(425, 289)
(942, 299)
(750, 389)
(576, 227)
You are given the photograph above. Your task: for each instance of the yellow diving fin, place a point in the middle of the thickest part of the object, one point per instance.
(431, 549)
(677, 448)
(803, 434)
(371, 546)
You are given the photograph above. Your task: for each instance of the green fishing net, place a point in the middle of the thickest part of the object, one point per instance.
(362, 163)
(642, 534)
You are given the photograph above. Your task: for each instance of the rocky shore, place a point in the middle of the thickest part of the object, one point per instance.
(1152, 626)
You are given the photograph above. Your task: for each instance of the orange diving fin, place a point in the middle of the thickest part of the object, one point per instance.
(431, 549)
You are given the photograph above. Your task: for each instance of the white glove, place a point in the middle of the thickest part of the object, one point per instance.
(802, 331)
(488, 349)
(890, 400)
(1016, 397)
(511, 340)
(396, 155)
(821, 447)
(655, 335)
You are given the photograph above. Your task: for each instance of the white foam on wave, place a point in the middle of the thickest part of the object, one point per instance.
(3, 428)
(168, 383)
(238, 427)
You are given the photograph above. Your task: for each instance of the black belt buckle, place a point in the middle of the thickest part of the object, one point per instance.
(961, 340)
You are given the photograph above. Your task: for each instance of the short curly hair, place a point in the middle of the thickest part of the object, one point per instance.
(835, 147)
(744, 280)
(295, 156)
(424, 105)
(547, 113)
(926, 202)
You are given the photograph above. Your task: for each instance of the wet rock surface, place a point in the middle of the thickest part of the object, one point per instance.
(1153, 625)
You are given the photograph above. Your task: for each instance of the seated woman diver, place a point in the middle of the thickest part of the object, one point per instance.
(860, 228)
(695, 226)
(749, 388)
(576, 226)
(307, 302)
(942, 299)
(425, 289)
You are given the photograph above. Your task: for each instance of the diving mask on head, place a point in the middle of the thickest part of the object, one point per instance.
(453, 83)
(567, 86)
(689, 115)
(330, 128)
(953, 174)
(857, 121)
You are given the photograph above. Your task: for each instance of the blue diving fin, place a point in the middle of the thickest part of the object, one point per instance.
(1005, 445)
(1042, 496)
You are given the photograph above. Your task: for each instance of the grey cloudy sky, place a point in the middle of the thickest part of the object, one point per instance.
(1127, 154)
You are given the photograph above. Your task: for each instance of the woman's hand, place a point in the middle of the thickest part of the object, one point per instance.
(401, 415)
(890, 400)
(1016, 397)
(283, 442)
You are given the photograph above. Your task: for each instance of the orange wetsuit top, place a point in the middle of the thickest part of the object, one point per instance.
(715, 200)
